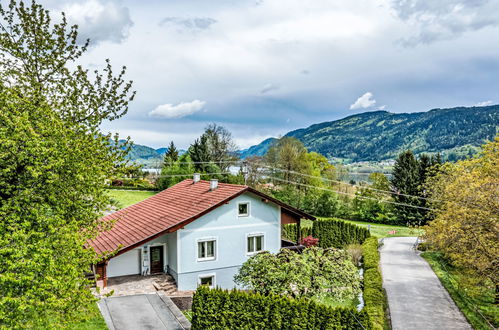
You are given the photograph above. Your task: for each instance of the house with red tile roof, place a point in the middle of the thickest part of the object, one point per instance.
(199, 232)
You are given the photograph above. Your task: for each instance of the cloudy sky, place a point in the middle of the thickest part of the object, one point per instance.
(264, 67)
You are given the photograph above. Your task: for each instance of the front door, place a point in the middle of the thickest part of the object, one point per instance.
(156, 259)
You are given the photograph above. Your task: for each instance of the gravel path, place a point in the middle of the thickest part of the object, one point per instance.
(416, 297)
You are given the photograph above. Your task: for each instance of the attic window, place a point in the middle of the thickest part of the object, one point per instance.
(243, 209)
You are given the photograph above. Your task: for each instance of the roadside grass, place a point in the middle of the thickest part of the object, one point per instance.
(126, 198)
(377, 229)
(480, 311)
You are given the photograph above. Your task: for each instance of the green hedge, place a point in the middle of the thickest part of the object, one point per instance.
(374, 295)
(290, 232)
(221, 309)
(337, 233)
(330, 232)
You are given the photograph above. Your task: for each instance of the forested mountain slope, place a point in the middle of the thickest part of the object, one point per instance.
(378, 135)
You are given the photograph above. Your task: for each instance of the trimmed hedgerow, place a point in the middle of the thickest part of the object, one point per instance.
(290, 232)
(222, 309)
(338, 233)
(374, 295)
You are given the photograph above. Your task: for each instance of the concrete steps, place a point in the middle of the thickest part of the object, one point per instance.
(166, 284)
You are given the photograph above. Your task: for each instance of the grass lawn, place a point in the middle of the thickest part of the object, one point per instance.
(379, 230)
(129, 197)
(480, 311)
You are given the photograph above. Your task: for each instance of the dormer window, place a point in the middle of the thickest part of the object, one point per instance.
(243, 209)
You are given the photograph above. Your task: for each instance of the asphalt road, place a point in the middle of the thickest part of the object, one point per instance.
(416, 297)
(144, 311)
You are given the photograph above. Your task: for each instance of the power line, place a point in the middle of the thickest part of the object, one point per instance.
(349, 194)
(307, 175)
(176, 175)
(346, 183)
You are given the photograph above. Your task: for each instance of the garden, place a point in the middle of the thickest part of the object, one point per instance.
(333, 283)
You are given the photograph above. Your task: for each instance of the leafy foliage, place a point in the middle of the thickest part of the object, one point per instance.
(369, 203)
(219, 309)
(377, 135)
(466, 225)
(314, 272)
(54, 161)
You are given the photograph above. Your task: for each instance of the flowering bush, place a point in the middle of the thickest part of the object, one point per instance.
(309, 241)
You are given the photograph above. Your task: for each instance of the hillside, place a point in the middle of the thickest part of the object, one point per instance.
(379, 135)
(258, 150)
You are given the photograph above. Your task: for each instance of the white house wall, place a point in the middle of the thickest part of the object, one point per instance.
(127, 263)
(136, 261)
(230, 232)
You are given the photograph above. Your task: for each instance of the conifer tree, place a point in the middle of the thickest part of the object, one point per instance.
(171, 155)
(406, 181)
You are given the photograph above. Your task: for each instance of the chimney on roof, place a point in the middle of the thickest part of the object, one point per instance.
(213, 184)
(196, 177)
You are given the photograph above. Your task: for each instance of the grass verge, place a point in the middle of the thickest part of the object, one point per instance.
(480, 311)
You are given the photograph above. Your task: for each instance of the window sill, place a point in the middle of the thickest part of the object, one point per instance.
(206, 259)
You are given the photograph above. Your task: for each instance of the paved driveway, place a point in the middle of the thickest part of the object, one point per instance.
(143, 311)
(416, 297)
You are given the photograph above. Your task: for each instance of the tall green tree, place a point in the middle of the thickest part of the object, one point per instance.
(171, 154)
(53, 164)
(288, 155)
(406, 181)
(200, 154)
(221, 146)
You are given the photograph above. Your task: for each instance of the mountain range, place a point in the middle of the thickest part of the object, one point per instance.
(381, 135)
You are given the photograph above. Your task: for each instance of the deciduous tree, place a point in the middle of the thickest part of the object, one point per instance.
(53, 164)
(466, 224)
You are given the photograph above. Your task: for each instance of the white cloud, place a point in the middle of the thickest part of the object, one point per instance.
(365, 101)
(444, 19)
(483, 104)
(100, 20)
(179, 110)
(381, 107)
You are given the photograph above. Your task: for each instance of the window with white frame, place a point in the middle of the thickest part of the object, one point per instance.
(254, 243)
(208, 280)
(243, 209)
(206, 249)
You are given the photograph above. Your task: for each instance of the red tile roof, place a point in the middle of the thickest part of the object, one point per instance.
(167, 211)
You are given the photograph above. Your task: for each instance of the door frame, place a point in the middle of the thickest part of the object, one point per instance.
(165, 256)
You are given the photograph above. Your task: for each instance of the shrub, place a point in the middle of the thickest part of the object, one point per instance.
(374, 295)
(220, 309)
(337, 233)
(313, 272)
(309, 241)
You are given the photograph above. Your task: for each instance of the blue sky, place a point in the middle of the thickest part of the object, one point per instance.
(265, 67)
